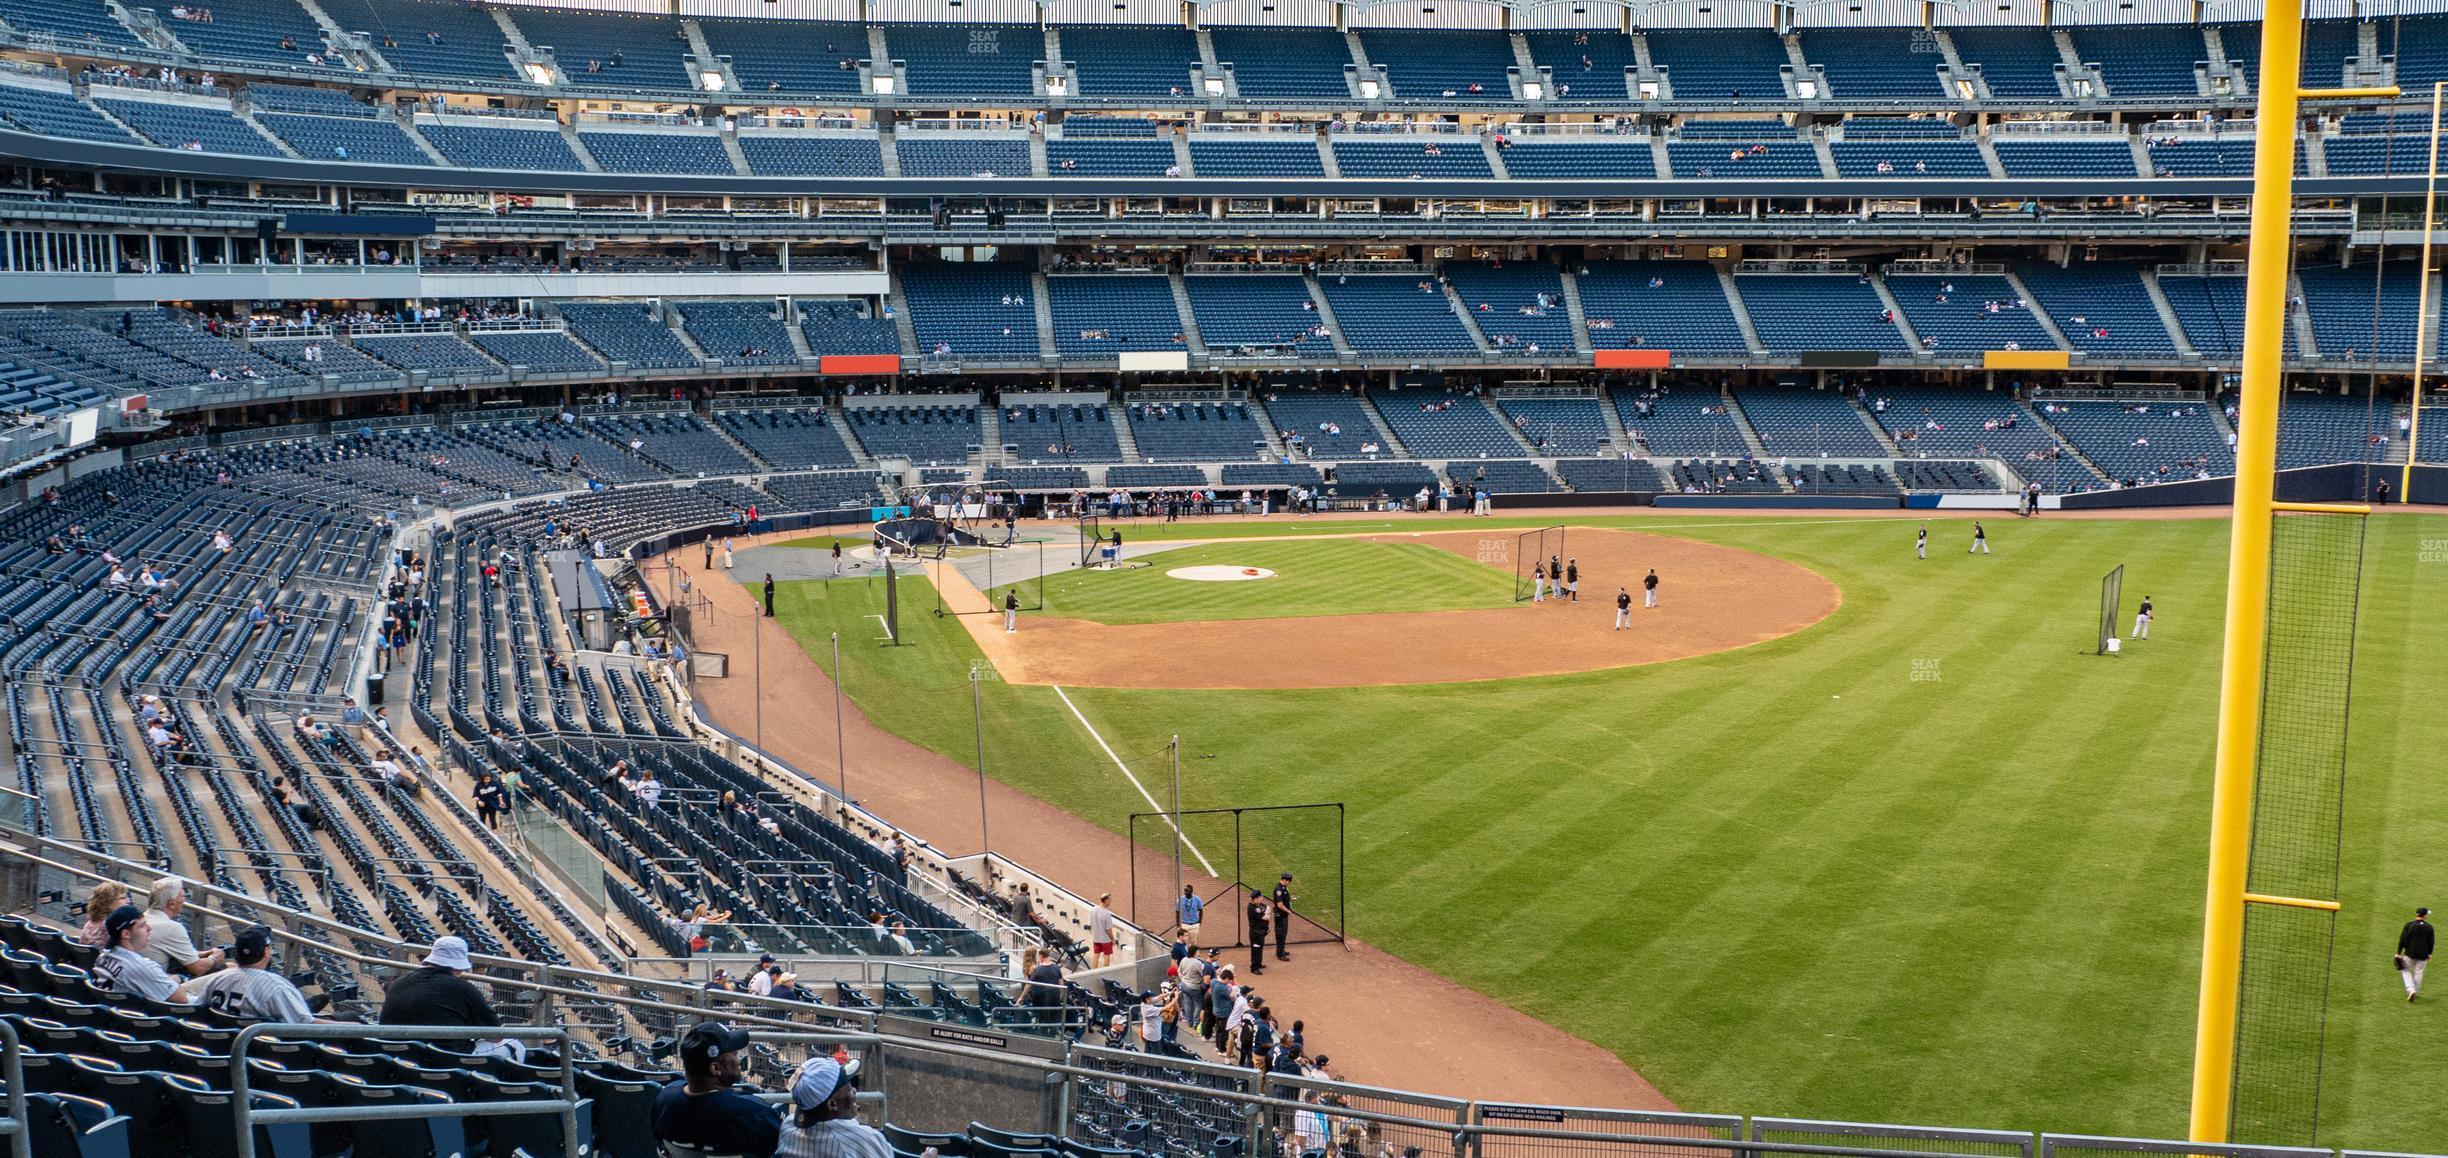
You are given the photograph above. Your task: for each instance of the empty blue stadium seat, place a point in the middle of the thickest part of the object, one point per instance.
(1151, 60)
(345, 138)
(967, 59)
(1806, 423)
(921, 434)
(1098, 316)
(1964, 314)
(1559, 426)
(1720, 64)
(1877, 64)
(2204, 157)
(645, 152)
(1798, 312)
(2070, 156)
(788, 437)
(1255, 155)
(626, 332)
(1445, 156)
(805, 155)
(2017, 63)
(1586, 64)
(1519, 306)
(1580, 158)
(841, 328)
(1442, 64)
(252, 30)
(2141, 60)
(1874, 158)
(439, 353)
(429, 37)
(1747, 158)
(2103, 308)
(962, 155)
(501, 147)
(1280, 64)
(2211, 310)
(1108, 157)
(2360, 309)
(1686, 420)
(1194, 432)
(54, 113)
(1435, 423)
(2143, 442)
(1326, 424)
(790, 56)
(1678, 306)
(741, 333)
(74, 21)
(1392, 316)
(976, 310)
(549, 351)
(1263, 313)
(175, 126)
(615, 49)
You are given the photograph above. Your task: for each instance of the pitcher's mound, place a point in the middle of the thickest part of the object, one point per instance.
(1216, 573)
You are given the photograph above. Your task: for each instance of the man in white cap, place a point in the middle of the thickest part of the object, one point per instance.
(824, 1115)
(436, 994)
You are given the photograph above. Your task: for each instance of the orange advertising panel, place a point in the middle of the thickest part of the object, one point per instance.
(859, 364)
(1631, 359)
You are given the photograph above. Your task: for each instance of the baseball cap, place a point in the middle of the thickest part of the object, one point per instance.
(449, 953)
(119, 920)
(712, 1039)
(1285, 877)
(818, 1079)
(765, 959)
(254, 943)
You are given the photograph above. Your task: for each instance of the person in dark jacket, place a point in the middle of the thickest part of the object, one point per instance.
(437, 994)
(702, 1110)
(2414, 951)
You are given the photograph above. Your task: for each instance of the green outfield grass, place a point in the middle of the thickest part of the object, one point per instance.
(1925, 862)
(1312, 577)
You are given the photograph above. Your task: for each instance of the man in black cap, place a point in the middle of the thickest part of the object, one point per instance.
(252, 991)
(702, 1109)
(1261, 915)
(125, 967)
(1283, 916)
(2414, 951)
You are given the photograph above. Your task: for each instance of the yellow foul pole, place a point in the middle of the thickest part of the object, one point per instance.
(2248, 554)
(2422, 298)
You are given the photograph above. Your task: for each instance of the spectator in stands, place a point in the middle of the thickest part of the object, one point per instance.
(435, 994)
(252, 991)
(702, 1109)
(1046, 993)
(125, 968)
(99, 905)
(824, 1115)
(1101, 932)
(169, 936)
(491, 801)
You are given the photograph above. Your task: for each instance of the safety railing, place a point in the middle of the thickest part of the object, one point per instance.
(248, 1117)
(12, 1070)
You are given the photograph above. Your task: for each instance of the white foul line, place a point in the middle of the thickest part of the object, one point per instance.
(1170, 821)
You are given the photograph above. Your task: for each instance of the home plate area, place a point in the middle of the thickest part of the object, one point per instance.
(1219, 573)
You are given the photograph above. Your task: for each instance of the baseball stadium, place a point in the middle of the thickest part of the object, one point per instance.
(1231, 579)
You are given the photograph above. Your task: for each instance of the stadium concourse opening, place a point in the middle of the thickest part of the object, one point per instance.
(1711, 598)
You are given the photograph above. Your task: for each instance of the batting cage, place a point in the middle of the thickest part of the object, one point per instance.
(2112, 603)
(1532, 550)
(1222, 854)
(2298, 816)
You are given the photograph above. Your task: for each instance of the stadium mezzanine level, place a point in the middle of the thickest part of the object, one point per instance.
(1524, 58)
(1689, 179)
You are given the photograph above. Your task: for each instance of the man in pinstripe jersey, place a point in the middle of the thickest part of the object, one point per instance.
(252, 991)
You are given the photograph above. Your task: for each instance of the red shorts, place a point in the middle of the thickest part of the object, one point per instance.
(1104, 946)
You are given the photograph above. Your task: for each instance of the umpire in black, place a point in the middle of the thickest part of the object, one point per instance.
(1260, 910)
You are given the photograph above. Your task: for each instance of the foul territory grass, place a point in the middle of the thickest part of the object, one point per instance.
(1925, 862)
(1312, 577)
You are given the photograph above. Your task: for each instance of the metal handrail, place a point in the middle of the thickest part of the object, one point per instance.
(247, 1116)
(12, 1070)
